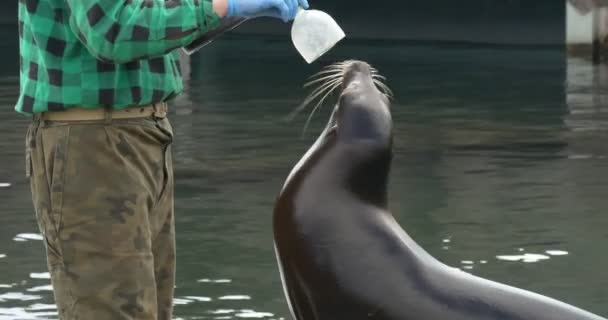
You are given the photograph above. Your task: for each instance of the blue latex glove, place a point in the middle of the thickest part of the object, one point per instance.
(281, 9)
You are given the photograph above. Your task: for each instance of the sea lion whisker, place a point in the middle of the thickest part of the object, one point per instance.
(337, 65)
(317, 92)
(328, 77)
(379, 81)
(317, 106)
(387, 93)
(328, 71)
(384, 88)
(333, 87)
(327, 88)
(325, 71)
(334, 68)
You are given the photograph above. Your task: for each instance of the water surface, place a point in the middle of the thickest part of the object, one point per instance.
(500, 169)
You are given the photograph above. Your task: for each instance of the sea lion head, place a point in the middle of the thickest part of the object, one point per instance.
(356, 144)
(362, 112)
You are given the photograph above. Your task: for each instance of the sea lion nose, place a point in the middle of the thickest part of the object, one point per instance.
(359, 67)
(357, 71)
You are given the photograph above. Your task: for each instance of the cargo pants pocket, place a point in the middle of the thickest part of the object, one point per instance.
(47, 151)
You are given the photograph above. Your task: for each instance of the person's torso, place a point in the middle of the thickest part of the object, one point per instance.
(58, 72)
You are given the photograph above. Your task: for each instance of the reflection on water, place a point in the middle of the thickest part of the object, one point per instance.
(499, 169)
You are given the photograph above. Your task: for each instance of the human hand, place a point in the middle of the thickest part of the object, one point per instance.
(281, 9)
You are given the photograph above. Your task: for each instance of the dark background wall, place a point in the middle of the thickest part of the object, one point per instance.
(485, 21)
(480, 21)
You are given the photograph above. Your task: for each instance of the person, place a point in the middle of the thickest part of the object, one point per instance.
(96, 77)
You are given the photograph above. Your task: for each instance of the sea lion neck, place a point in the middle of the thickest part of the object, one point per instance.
(365, 171)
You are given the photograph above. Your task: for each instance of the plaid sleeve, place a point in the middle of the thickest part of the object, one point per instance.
(126, 30)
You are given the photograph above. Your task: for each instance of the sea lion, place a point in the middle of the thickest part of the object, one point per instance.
(340, 252)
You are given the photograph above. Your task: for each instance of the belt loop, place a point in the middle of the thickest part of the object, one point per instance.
(39, 120)
(36, 118)
(155, 112)
(108, 115)
(160, 110)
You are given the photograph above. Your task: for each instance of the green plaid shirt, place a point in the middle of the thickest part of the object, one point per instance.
(95, 53)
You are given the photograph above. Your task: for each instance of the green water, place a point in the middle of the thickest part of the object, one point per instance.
(500, 169)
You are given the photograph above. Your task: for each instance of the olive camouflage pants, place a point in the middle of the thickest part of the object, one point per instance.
(103, 197)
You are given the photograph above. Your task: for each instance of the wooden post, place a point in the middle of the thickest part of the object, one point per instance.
(595, 35)
(587, 29)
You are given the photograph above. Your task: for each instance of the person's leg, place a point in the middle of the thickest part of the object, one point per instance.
(163, 241)
(94, 187)
(41, 167)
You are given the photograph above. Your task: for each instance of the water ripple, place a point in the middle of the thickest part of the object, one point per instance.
(215, 281)
(40, 275)
(18, 296)
(41, 288)
(28, 236)
(526, 257)
(235, 297)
